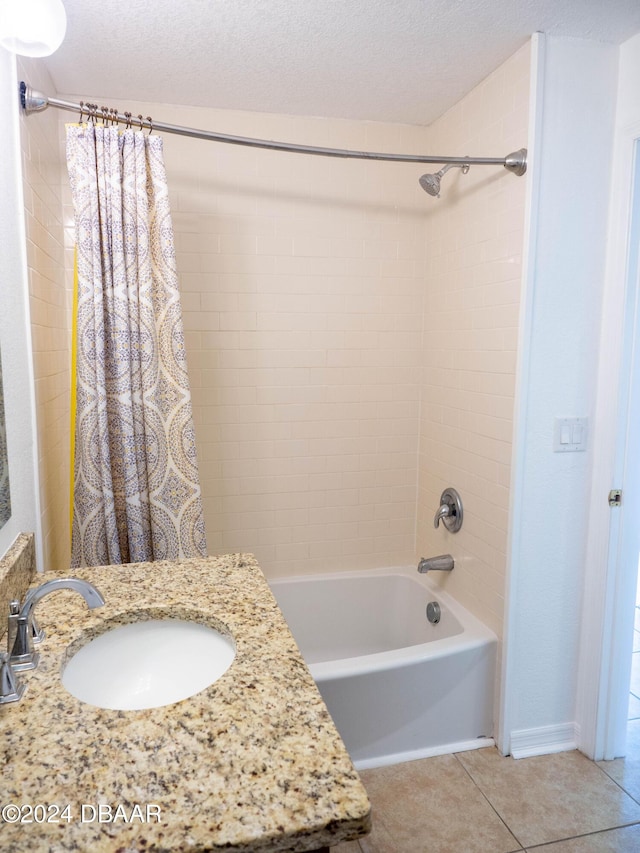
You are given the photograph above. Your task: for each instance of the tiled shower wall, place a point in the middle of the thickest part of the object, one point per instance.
(303, 287)
(340, 322)
(472, 298)
(322, 298)
(50, 307)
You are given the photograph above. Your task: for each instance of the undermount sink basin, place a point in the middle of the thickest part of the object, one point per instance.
(148, 664)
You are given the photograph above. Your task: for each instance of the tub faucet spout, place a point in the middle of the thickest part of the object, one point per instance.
(443, 563)
(20, 635)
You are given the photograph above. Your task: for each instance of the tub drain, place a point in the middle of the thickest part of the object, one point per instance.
(433, 612)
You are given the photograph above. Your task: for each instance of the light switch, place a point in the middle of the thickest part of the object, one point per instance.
(570, 434)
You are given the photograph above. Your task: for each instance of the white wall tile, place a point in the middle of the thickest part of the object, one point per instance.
(470, 335)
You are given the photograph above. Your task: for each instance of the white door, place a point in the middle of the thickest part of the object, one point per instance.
(625, 528)
(624, 543)
(614, 533)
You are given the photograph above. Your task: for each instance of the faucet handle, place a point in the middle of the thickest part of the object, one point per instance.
(443, 511)
(12, 626)
(37, 633)
(20, 641)
(11, 688)
(449, 511)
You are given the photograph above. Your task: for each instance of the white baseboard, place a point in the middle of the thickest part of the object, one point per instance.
(544, 740)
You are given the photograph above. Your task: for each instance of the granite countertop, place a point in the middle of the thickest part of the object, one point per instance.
(253, 763)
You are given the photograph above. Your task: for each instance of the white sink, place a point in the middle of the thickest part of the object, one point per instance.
(148, 664)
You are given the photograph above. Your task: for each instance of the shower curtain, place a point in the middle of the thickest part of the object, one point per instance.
(136, 494)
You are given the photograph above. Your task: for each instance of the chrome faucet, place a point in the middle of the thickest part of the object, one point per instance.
(20, 636)
(443, 563)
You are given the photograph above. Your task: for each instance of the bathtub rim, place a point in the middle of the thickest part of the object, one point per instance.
(475, 634)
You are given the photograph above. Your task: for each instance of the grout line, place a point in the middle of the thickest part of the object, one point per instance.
(575, 837)
(508, 828)
(622, 788)
(598, 764)
(568, 838)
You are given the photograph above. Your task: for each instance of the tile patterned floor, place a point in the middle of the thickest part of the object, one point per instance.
(482, 802)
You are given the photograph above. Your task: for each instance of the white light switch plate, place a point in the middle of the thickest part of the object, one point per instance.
(570, 434)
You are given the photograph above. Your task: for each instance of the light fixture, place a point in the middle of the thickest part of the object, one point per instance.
(32, 27)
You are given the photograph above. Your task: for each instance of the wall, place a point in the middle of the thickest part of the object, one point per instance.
(303, 302)
(306, 284)
(50, 277)
(303, 283)
(302, 290)
(566, 238)
(17, 368)
(474, 238)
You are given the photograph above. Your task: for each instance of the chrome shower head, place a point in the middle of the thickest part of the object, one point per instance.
(431, 183)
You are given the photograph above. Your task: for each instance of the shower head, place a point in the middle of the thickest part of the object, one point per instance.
(431, 183)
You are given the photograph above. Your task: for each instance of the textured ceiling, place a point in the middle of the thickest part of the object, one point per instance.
(386, 60)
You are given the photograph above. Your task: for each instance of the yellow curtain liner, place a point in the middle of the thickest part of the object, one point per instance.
(72, 407)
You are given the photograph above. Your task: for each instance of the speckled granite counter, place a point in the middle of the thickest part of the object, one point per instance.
(253, 763)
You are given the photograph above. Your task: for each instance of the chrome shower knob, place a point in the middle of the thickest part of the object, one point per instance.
(450, 511)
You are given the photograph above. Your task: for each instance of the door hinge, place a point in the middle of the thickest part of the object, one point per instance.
(615, 497)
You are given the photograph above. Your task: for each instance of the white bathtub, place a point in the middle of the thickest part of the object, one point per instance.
(397, 686)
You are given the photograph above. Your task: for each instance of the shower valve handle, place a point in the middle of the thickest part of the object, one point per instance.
(449, 511)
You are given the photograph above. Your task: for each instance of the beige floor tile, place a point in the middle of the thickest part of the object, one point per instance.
(635, 673)
(633, 740)
(347, 847)
(379, 841)
(431, 805)
(626, 771)
(550, 797)
(626, 840)
(633, 708)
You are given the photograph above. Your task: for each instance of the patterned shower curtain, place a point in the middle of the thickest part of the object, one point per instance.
(136, 486)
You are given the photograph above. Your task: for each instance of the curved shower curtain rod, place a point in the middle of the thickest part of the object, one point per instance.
(33, 101)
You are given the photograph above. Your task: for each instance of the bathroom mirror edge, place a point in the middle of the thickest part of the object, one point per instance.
(15, 338)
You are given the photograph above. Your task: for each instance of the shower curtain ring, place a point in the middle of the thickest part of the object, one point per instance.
(150, 120)
(127, 125)
(105, 115)
(81, 111)
(141, 121)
